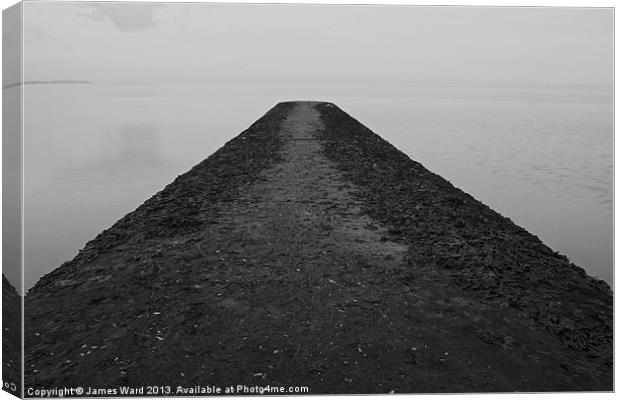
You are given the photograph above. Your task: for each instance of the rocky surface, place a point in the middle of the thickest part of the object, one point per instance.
(497, 262)
(309, 252)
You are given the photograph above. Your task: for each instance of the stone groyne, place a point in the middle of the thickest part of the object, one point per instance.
(310, 252)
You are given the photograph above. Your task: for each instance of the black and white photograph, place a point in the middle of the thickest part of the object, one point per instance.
(224, 199)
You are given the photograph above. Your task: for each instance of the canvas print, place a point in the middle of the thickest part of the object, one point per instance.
(222, 199)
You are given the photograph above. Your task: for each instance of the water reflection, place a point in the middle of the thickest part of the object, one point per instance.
(132, 146)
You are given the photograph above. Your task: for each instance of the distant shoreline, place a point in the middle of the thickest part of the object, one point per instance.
(72, 82)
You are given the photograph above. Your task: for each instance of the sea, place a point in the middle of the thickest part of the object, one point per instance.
(539, 154)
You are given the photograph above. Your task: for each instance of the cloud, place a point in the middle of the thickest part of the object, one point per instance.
(128, 17)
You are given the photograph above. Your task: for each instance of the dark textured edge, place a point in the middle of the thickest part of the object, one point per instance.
(11, 338)
(500, 263)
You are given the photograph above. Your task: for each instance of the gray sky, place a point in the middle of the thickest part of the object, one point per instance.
(311, 44)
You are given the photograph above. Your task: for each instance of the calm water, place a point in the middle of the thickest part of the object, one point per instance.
(541, 156)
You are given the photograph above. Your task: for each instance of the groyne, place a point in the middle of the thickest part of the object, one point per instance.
(310, 252)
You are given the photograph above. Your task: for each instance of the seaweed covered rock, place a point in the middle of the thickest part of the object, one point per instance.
(485, 253)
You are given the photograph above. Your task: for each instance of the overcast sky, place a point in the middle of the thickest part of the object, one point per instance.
(311, 44)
